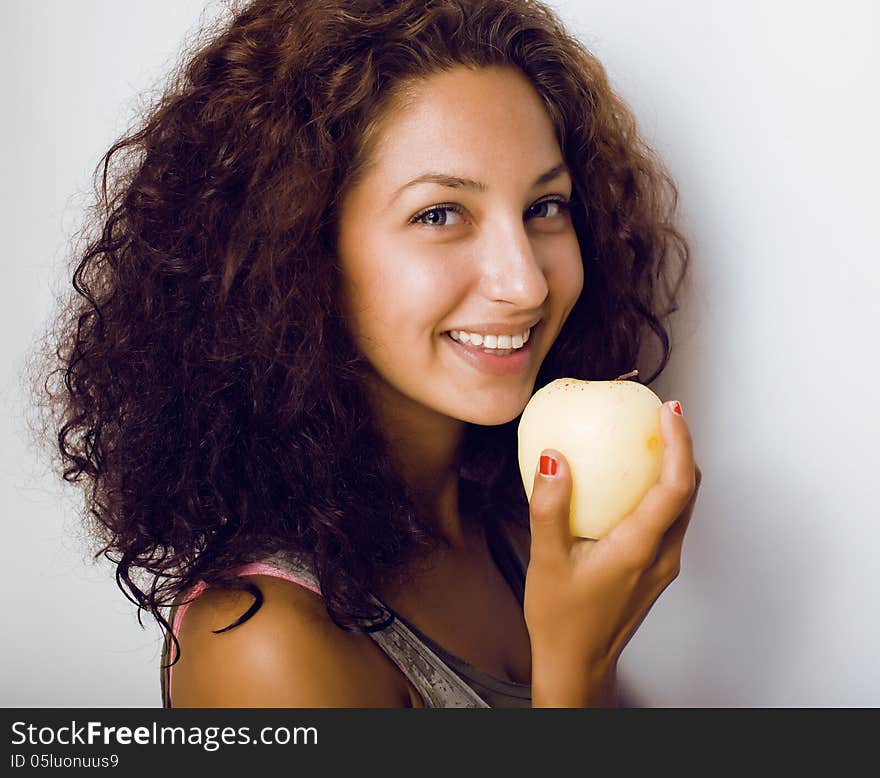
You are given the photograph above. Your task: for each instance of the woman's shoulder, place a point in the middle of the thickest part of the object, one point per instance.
(289, 653)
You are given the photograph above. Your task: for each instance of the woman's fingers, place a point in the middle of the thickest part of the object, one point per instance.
(664, 502)
(668, 561)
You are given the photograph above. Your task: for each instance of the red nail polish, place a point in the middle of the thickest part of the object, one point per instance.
(548, 465)
(676, 408)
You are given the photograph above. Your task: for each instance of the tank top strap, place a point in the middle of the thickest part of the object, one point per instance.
(434, 680)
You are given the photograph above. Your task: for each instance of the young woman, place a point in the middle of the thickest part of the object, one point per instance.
(329, 271)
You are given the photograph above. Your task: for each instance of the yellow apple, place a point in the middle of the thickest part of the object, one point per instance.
(609, 431)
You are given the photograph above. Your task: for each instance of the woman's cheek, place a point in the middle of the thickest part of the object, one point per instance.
(430, 290)
(569, 276)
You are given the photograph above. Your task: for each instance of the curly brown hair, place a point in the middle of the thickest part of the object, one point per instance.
(202, 387)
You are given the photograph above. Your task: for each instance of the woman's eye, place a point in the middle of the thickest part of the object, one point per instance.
(433, 217)
(561, 207)
(436, 216)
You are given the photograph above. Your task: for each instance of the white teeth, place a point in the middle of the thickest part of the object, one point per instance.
(498, 343)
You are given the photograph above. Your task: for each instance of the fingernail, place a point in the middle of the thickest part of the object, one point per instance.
(548, 465)
(675, 407)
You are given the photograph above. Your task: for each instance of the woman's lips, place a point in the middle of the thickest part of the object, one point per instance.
(494, 364)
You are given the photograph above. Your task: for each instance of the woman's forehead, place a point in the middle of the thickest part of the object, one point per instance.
(465, 124)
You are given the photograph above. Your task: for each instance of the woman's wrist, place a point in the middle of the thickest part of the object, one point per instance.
(577, 686)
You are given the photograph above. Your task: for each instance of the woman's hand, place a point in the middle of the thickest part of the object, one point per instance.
(584, 599)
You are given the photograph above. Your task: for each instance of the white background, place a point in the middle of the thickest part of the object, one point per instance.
(766, 113)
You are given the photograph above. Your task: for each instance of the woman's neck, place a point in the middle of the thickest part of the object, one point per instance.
(426, 448)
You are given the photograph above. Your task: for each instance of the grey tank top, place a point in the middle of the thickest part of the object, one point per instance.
(442, 679)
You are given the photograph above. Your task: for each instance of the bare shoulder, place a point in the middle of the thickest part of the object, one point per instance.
(290, 654)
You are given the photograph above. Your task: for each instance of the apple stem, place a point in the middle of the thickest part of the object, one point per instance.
(628, 375)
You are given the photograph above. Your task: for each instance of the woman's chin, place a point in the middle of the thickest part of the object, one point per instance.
(495, 416)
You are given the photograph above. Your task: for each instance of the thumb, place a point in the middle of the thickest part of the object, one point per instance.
(549, 507)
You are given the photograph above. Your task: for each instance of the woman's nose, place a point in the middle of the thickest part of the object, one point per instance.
(511, 270)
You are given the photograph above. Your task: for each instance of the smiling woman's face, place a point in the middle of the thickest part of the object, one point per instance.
(423, 259)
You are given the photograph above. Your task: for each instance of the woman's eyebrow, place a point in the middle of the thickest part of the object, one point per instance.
(457, 182)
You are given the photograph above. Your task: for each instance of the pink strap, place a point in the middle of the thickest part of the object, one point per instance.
(255, 568)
